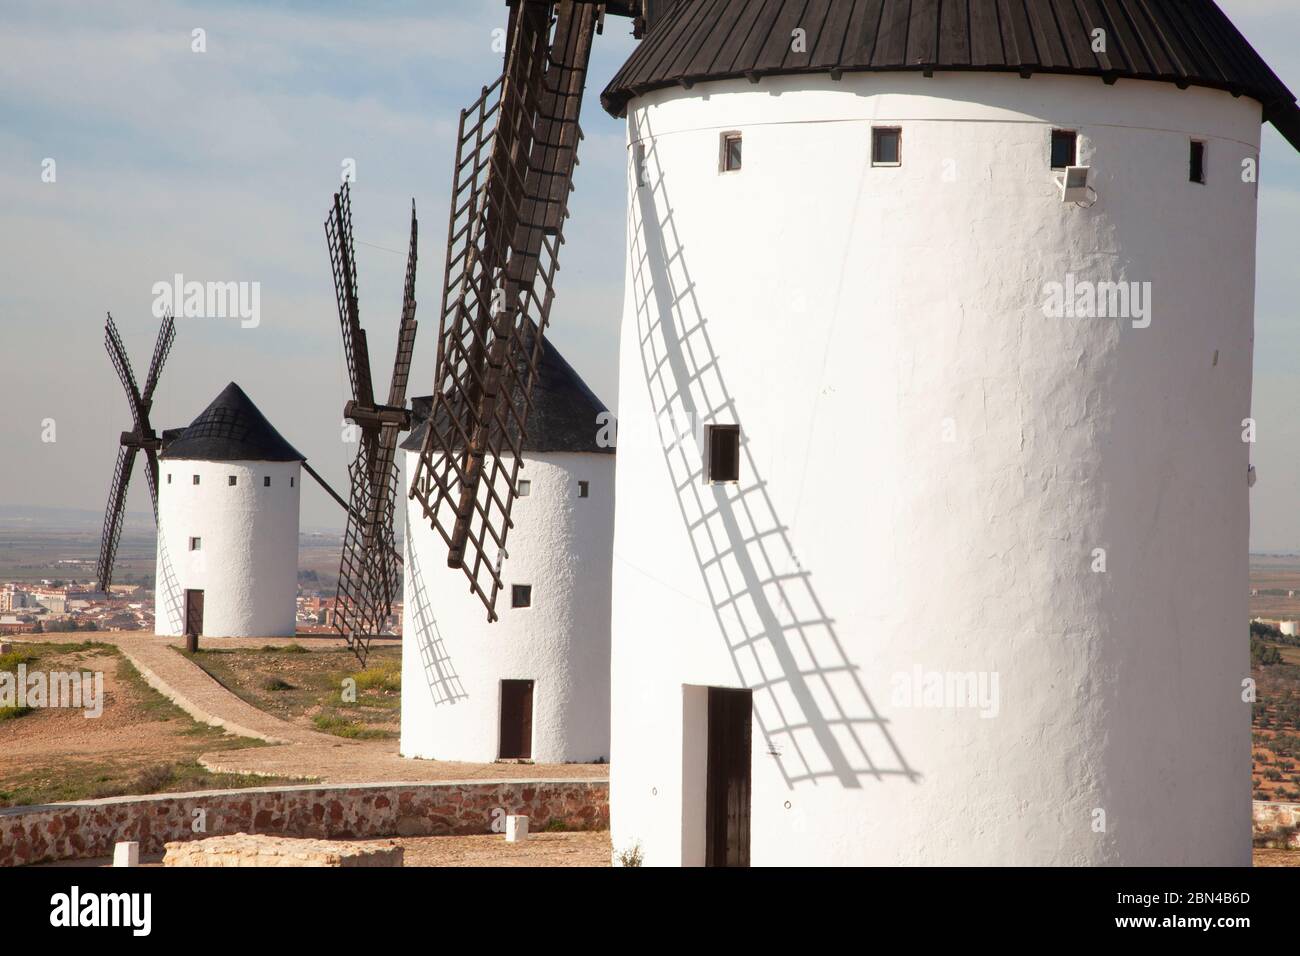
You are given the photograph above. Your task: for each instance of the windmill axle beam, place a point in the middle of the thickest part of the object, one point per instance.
(377, 416)
(149, 441)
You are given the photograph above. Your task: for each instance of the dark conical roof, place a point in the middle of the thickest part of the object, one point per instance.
(231, 429)
(563, 417)
(1187, 42)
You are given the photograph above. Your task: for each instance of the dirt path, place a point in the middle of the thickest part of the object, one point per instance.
(298, 752)
(377, 761)
(190, 688)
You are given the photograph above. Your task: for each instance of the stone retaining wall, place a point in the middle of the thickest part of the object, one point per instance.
(1277, 823)
(90, 828)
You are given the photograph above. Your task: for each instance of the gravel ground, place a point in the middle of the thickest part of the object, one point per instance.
(1261, 857)
(540, 849)
(561, 849)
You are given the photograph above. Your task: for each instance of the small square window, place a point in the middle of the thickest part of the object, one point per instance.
(521, 595)
(583, 488)
(1197, 171)
(232, 480)
(266, 481)
(525, 487)
(196, 544)
(886, 146)
(196, 479)
(730, 152)
(1065, 148)
(639, 158)
(724, 453)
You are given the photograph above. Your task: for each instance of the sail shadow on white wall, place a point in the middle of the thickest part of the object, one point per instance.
(170, 587)
(444, 683)
(810, 704)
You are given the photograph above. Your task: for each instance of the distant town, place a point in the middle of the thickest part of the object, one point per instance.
(54, 606)
(47, 577)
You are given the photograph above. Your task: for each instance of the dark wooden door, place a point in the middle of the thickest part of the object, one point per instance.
(516, 720)
(727, 789)
(193, 613)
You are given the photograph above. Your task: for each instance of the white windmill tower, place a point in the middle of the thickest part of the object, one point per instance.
(960, 299)
(931, 564)
(228, 498)
(533, 684)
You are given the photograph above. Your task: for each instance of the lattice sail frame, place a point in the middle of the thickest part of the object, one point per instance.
(369, 580)
(515, 157)
(368, 577)
(131, 443)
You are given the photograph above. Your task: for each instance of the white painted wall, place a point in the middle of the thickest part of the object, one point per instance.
(453, 660)
(248, 564)
(843, 314)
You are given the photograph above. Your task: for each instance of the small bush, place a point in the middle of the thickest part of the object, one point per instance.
(13, 713)
(632, 856)
(19, 655)
(342, 727)
(286, 649)
(151, 780)
(277, 683)
(384, 676)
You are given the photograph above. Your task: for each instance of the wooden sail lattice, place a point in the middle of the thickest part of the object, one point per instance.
(368, 574)
(515, 158)
(141, 438)
(368, 582)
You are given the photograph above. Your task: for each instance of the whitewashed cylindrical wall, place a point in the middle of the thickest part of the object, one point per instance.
(247, 561)
(453, 660)
(942, 488)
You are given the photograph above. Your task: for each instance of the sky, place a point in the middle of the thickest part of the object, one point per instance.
(219, 165)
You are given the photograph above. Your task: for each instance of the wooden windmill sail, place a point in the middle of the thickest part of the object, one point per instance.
(141, 438)
(515, 158)
(368, 578)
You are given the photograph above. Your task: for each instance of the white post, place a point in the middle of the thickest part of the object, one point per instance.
(126, 854)
(516, 829)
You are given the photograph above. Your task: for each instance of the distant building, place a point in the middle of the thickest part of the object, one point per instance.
(56, 599)
(11, 599)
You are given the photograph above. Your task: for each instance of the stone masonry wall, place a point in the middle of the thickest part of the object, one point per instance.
(90, 828)
(1277, 823)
